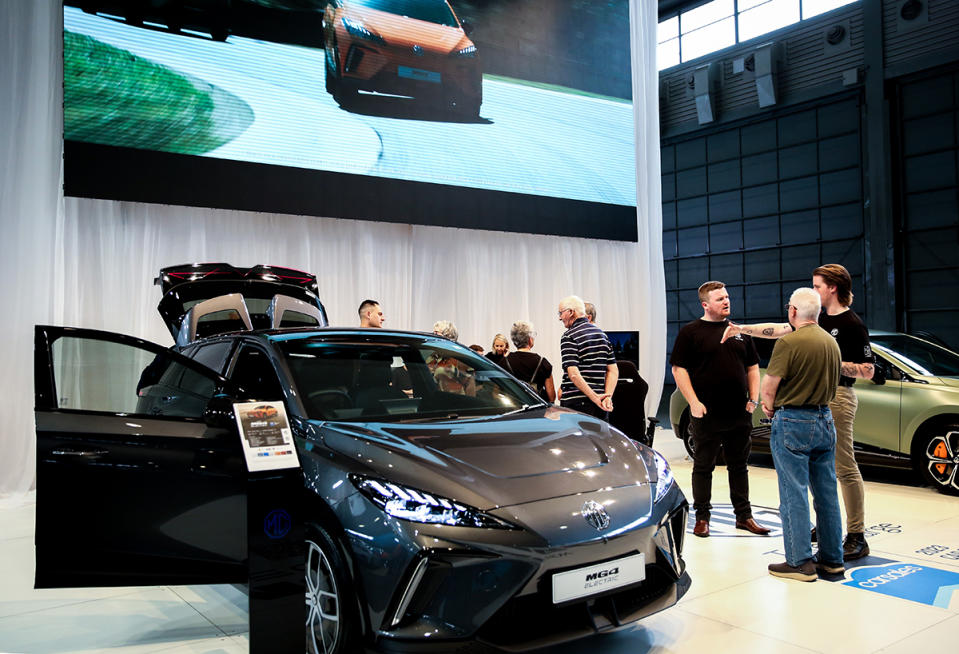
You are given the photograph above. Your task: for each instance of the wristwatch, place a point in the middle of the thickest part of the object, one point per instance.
(755, 403)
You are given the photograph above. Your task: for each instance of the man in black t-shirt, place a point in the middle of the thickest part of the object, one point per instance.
(720, 381)
(834, 285)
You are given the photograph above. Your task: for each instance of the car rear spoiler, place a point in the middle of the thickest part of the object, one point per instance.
(172, 276)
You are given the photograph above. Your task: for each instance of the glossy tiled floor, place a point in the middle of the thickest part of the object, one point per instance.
(733, 605)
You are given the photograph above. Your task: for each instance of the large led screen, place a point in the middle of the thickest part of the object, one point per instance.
(512, 115)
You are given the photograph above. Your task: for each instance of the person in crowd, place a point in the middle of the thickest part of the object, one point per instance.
(801, 380)
(834, 285)
(477, 348)
(451, 374)
(371, 315)
(590, 312)
(720, 381)
(499, 351)
(446, 329)
(527, 366)
(590, 372)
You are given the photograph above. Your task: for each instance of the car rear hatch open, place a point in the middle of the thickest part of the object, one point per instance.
(203, 299)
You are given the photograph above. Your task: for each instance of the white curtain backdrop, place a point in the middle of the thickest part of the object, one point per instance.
(90, 263)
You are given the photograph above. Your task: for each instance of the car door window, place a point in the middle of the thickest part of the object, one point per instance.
(213, 355)
(254, 373)
(95, 375)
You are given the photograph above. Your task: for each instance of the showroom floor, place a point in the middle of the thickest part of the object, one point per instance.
(909, 601)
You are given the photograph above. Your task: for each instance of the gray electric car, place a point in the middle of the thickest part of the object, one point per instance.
(446, 503)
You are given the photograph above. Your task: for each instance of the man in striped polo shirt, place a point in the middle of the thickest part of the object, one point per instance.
(589, 368)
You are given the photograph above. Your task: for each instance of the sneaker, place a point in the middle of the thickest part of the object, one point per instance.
(854, 546)
(830, 568)
(805, 572)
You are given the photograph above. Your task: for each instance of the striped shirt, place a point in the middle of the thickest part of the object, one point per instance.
(585, 346)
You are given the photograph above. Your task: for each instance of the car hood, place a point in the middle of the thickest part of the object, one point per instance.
(950, 382)
(403, 32)
(541, 454)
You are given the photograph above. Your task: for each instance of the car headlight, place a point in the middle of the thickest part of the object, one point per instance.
(665, 476)
(407, 503)
(468, 51)
(358, 29)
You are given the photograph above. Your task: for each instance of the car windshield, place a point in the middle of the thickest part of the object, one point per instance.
(362, 381)
(431, 11)
(924, 357)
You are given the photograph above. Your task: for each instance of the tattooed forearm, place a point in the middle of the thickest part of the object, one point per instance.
(768, 331)
(864, 370)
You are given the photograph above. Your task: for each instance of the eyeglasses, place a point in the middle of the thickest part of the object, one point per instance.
(560, 313)
(788, 306)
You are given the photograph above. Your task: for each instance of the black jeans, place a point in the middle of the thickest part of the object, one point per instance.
(736, 443)
(586, 406)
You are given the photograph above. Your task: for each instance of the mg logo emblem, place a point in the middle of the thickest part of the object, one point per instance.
(596, 515)
(277, 523)
(418, 50)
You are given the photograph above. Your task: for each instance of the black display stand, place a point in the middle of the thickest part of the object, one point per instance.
(276, 561)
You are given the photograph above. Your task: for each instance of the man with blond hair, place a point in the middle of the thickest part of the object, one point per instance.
(590, 372)
(833, 283)
(801, 380)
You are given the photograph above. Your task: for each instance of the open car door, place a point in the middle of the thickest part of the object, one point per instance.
(140, 474)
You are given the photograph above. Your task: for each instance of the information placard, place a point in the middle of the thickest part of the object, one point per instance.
(266, 436)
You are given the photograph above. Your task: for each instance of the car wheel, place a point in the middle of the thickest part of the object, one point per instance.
(935, 455)
(331, 620)
(220, 33)
(464, 108)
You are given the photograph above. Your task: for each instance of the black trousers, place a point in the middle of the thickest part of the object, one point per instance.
(586, 406)
(736, 443)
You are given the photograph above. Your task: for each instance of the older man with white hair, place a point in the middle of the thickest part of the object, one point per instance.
(590, 372)
(800, 382)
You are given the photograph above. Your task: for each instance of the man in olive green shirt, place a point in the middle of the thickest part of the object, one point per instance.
(800, 382)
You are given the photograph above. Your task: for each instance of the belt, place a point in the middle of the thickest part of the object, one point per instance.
(805, 407)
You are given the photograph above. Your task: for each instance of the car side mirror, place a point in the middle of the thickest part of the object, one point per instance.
(468, 27)
(219, 412)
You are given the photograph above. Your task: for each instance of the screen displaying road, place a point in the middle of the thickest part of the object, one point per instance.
(488, 96)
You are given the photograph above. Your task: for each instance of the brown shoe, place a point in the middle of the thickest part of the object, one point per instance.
(701, 529)
(752, 526)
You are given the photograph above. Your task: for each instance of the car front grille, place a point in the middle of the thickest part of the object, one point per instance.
(534, 621)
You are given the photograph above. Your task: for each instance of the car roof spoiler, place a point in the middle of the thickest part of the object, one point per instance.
(172, 276)
(205, 299)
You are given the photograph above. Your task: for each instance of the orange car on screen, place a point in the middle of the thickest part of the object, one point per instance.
(413, 48)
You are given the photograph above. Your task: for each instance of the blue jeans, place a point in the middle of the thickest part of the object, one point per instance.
(803, 444)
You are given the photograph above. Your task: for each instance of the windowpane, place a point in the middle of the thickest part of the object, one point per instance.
(93, 375)
(667, 54)
(708, 13)
(812, 8)
(668, 29)
(767, 17)
(709, 39)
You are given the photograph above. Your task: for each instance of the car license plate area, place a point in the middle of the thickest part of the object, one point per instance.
(593, 579)
(419, 74)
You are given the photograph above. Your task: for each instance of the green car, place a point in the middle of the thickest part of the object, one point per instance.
(910, 421)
